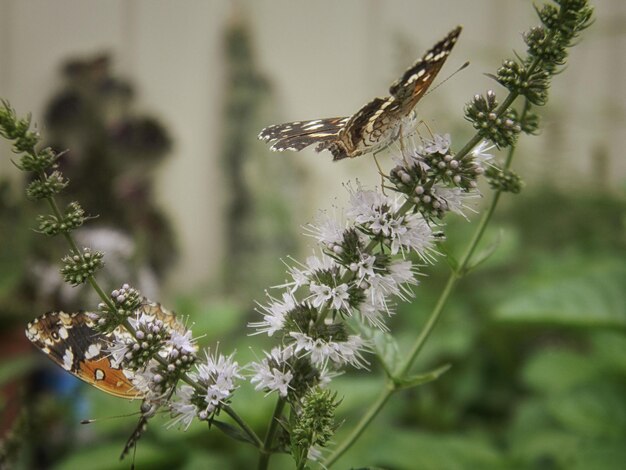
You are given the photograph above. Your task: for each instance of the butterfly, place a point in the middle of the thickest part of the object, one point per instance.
(377, 124)
(72, 341)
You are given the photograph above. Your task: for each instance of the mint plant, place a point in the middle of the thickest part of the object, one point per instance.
(332, 312)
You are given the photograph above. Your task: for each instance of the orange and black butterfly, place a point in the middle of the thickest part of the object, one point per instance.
(375, 125)
(73, 342)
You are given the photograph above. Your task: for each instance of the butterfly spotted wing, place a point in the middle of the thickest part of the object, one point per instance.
(73, 342)
(376, 124)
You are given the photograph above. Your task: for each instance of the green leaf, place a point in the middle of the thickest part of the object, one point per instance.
(554, 371)
(232, 431)
(385, 347)
(594, 410)
(415, 380)
(600, 455)
(591, 297)
(452, 261)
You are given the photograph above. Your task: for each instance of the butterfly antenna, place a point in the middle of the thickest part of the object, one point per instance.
(93, 420)
(464, 66)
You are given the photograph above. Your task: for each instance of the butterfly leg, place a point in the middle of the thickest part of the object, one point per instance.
(430, 132)
(380, 172)
(402, 148)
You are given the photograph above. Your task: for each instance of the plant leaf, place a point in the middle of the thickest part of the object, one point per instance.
(385, 347)
(593, 296)
(415, 380)
(232, 431)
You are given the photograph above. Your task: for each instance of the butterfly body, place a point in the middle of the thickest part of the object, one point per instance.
(377, 124)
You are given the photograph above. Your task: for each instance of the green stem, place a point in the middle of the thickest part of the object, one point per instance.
(266, 450)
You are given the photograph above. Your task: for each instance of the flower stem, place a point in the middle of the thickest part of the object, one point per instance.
(266, 450)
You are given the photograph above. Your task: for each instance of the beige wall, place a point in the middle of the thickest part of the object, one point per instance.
(325, 58)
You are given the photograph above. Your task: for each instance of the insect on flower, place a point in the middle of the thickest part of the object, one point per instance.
(377, 124)
(73, 341)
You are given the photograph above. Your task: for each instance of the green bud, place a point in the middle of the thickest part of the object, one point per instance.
(77, 268)
(52, 184)
(504, 180)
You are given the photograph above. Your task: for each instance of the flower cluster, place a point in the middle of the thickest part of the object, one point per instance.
(368, 258)
(72, 219)
(214, 384)
(79, 266)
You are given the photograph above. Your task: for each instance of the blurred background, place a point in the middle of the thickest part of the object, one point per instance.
(159, 104)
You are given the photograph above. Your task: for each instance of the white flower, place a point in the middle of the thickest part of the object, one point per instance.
(218, 368)
(349, 352)
(216, 375)
(480, 152)
(182, 342)
(274, 315)
(371, 310)
(149, 382)
(119, 348)
(337, 296)
(413, 233)
(327, 230)
(439, 144)
(381, 215)
(382, 286)
(339, 353)
(454, 198)
(365, 267)
(273, 373)
(302, 277)
(402, 272)
(314, 454)
(182, 409)
(366, 206)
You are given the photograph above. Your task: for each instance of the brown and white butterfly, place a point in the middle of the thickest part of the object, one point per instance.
(377, 124)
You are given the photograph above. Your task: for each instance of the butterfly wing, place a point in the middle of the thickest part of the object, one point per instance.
(418, 78)
(71, 340)
(368, 129)
(300, 134)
